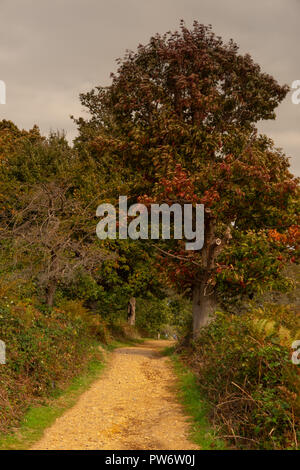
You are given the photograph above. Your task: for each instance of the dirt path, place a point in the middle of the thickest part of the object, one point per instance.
(132, 406)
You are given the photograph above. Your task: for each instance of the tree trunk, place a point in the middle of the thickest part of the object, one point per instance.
(204, 296)
(204, 306)
(50, 293)
(131, 311)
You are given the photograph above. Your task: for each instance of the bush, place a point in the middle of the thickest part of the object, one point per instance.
(122, 331)
(44, 351)
(245, 370)
(151, 315)
(96, 326)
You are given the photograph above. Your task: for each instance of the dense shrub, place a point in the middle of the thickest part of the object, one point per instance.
(95, 325)
(245, 370)
(169, 316)
(151, 315)
(44, 351)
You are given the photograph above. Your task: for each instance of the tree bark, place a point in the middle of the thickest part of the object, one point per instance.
(204, 306)
(50, 293)
(131, 311)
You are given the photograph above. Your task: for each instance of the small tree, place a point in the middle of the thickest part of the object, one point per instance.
(50, 238)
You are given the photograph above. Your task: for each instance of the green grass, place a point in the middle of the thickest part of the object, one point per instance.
(195, 406)
(38, 418)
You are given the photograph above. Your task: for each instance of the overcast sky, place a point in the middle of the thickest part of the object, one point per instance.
(51, 50)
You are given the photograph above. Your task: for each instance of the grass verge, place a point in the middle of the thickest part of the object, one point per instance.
(195, 406)
(38, 418)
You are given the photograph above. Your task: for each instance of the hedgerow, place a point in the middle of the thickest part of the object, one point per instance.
(43, 352)
(244, 368)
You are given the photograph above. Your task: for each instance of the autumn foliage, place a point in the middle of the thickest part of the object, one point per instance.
(179, 121)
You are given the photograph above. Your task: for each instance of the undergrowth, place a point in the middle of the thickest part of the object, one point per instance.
(244, 369)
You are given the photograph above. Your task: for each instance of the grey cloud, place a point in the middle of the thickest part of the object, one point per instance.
(51, 50)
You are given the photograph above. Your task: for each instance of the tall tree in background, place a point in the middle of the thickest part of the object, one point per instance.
(180, 118)
(131, 273)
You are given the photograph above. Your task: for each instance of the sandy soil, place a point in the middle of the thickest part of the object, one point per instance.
(132, 406)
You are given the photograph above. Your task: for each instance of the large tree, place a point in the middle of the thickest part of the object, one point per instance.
(179, 121)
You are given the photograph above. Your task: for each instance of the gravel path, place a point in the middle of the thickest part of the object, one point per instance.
(132, 406)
